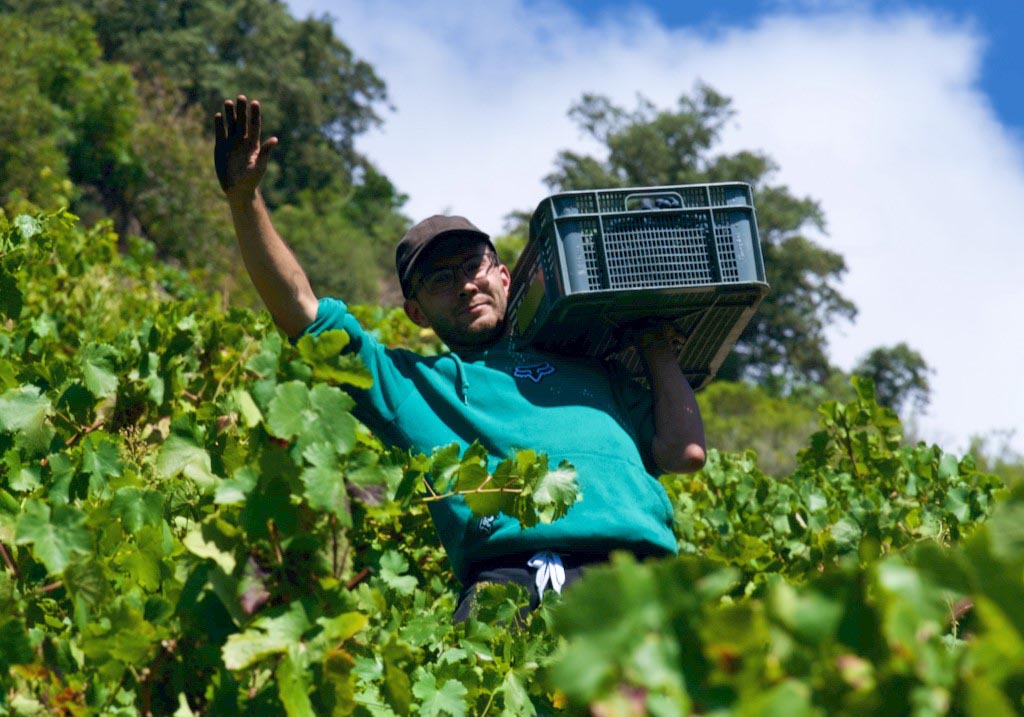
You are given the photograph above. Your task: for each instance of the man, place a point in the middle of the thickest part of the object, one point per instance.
(616, 434)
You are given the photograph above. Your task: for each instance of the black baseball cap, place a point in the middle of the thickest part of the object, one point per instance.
(423, 235)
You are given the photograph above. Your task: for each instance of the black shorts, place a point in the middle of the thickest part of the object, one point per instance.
(514, 569)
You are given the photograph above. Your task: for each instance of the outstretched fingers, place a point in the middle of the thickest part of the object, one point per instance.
(242, 115)
(240, 155)
(255, 133)
(230, 123)
(255, 120)
(219, 130)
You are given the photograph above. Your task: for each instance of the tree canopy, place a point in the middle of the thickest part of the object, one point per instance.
(108, 110)
(900, 375)
(319, 97)
(64, 114)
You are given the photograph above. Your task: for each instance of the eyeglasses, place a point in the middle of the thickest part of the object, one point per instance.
(440, 281)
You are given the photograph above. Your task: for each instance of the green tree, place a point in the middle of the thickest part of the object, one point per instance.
(92, 107)
(355, 232)
(739, 417)
(900, 375)
(109, 109)
(511, 243)
(995, 453)
(318, 97)
(785, 342)
(32, 163)
(84, 134)
(175, 201)
(64, 114)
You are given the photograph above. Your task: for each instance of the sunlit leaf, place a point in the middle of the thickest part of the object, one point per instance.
(266, 636)
(57, 536)
(448, 699)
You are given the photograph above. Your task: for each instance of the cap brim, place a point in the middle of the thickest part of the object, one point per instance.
(418, 252)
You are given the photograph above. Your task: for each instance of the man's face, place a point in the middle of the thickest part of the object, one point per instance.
(468, 312)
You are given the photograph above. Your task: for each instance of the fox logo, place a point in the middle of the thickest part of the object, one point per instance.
(534, 371)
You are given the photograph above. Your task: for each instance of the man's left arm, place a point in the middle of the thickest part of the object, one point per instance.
(678, 444)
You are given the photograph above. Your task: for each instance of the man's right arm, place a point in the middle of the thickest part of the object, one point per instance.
(678, 445)
(241, 161)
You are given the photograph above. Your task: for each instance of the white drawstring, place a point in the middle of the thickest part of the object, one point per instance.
(549, 569)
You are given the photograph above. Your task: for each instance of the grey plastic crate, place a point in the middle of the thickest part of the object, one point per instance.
(600, 263)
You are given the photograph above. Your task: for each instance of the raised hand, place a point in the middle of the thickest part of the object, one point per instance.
(238, 155)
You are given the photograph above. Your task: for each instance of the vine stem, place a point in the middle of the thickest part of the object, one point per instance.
(958, 610)
(241, 357)
(113, 693)
(49, 588)
(10, 563)
(848, 445)
(430, 488)
(65, 417)
(358, 578)
(275, 541)
(434, 497)
(344, 558)
(334, 544)
(487, 707)
(97, 424)
(148, 674)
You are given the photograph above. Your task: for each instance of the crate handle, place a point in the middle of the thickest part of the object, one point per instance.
(655, 200)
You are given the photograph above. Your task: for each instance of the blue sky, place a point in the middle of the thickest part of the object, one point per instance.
(902, 119)
(1000, 22)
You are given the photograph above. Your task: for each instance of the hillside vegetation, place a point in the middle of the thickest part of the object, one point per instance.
(192, 522)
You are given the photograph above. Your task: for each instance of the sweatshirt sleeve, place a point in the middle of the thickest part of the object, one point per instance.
(378, 405)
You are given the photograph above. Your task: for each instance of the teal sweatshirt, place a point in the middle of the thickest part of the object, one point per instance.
(509, 398)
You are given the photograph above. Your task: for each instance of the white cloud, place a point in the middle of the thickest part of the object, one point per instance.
(878, 117)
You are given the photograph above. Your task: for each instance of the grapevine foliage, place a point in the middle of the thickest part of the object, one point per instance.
(193, 523)
(855, 488)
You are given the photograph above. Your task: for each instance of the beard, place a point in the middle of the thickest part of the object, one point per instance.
(465, 331)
